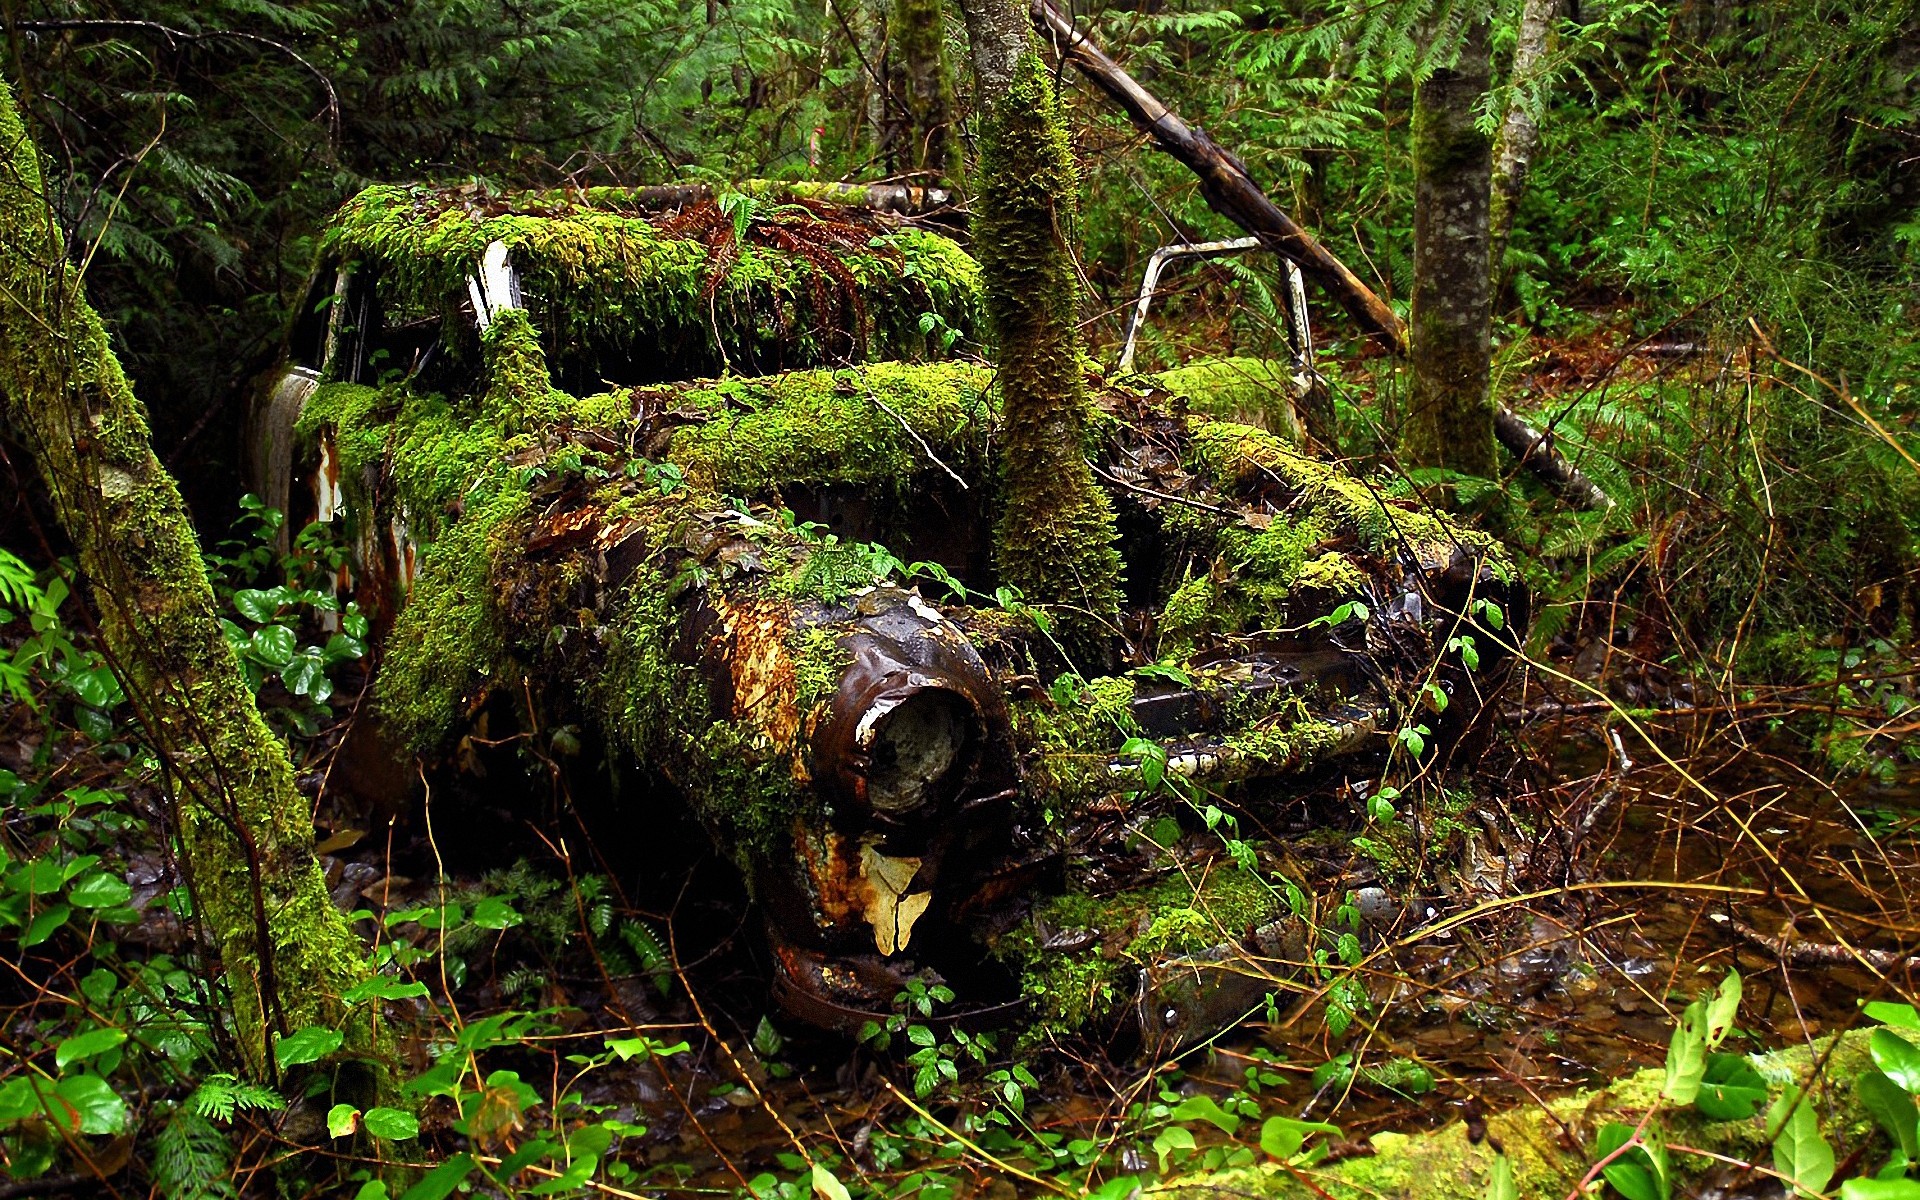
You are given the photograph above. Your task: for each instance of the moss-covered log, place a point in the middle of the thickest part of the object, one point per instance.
(1552, 1146)
(244, 829)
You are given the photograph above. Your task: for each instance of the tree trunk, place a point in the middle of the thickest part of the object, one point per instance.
(245, 832)
(1449, 419)
(1519, 133)
(1056, 539)
(919, 92)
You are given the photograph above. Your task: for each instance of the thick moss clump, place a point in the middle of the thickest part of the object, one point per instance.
(1056, 537)
(616, 292)
(1077, 990)
(1443, 1164)
(1254, 391)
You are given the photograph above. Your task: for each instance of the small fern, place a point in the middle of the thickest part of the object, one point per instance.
(191, 1155)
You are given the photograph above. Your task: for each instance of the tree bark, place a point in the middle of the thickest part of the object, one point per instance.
(1519, 132)
(245, 832)
(1056, 539)
(917, 136)
(1449, 418)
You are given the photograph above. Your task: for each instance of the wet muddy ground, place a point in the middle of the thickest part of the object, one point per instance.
(1600, 889)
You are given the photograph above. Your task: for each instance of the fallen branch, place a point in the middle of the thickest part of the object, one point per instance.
(1230, 191)
(1795, 952)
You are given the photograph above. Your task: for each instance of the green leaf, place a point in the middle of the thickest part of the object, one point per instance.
(1635, 1174)
(1500, 1185)
(826, 1187)
(1893, 1107)
(306, 1045)
(439, 1183)
(1731, 1089)
(1800, 1154)
(100, 890)
(19, 1099)
(1888, 1013)
(1687, 1055)
(306, 675)
(1205, 1108)
(85, 1045)
(1282, 1137)
(390, 1123)
(1897, 1057)
(495, 913)
(383, 987)
(1170, 1139)
(342, 1120)
(256, 605)
(1880, 1189)
(89, 1104)
(45, 925)
(1722, 1009)
(273, 645)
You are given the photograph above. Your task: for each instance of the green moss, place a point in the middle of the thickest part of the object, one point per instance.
(602, 277)
(1056, 538)
(1111, 703)
(1076, 990)
(1445, 1163)
(1256, 391)
(863, 427)
(819, 660)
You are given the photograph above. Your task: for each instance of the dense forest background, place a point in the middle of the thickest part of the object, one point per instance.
(1708, 296)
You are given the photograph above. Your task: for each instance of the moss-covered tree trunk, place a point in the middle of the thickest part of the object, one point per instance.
(917, 137)
(245, 831)
(1519, 131)
(1449, 418)
(1056, 536)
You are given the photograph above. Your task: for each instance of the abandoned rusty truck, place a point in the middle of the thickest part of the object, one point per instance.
(709, 484)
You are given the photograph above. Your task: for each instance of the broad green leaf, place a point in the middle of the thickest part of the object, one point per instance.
(45, 925)
(1893, 1107)
(1282, 1137)
(342, 1120)
(85, 1045)
(390, 1123)
(306, 1045)
(383, 987)
(439, 1183)
(1636, 1173)
(1800, 1154)
(495, 913)
(99, 890)
(1898, 1057)
(1500, 1185)
(1880, 1189)
(1687, 1055)
(1723, 1009)
(1170, 1139)
(256, 605)
(305, 675)
(1888, 1013)
(89, 1104)
(826, 1186)
(36, 877)
(1205, 1108)
(19, 1099)
(1731, 1089)
(273, 645)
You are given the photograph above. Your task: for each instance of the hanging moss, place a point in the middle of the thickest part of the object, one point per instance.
(1056, 540)
(606, 284)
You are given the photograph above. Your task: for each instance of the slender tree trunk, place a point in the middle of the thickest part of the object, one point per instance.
(1056, 536)
(1449, 419)
(1519, 132)
(245, 832)
(919, 92)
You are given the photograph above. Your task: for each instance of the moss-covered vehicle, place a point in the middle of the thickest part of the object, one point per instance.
(772, 591)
